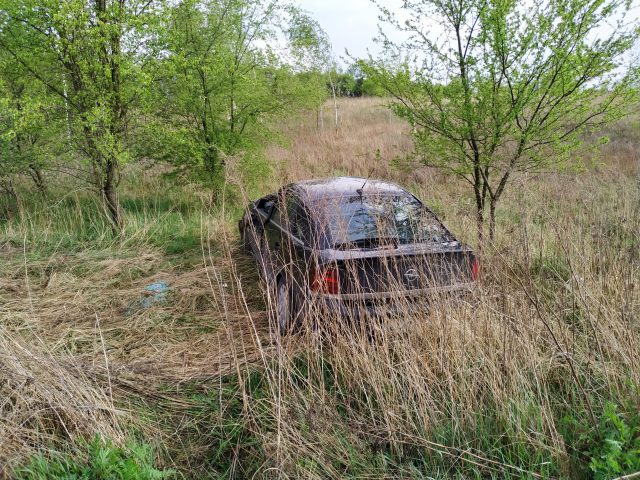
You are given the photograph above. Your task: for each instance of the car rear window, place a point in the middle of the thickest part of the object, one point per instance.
(371, 220)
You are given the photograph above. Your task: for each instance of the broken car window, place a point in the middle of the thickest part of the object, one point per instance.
(380, 219)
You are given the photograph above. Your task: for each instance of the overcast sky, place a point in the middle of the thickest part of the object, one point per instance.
(350, 24)
(353, 24)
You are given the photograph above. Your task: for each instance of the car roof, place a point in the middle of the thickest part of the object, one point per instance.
(317, 189)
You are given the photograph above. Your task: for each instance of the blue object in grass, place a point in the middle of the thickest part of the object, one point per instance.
(157, 293)
(158, 288)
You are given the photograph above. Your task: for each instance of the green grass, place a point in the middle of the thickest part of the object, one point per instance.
(170, 222)
(97, 459)
(237, 418)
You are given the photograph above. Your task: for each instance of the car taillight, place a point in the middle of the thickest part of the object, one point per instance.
(475, 269)
(325, 281)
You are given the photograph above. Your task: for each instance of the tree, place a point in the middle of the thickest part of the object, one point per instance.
(222, 86)
(88, 54)
(497, 87)
(26, 126)
(372, 89)
(364, 86)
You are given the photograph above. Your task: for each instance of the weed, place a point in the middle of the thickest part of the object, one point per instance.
(102, 460)
(618, 450)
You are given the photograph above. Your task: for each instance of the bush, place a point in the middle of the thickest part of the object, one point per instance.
(618, 452)
(102, 460)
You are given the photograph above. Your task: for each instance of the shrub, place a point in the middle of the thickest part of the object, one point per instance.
(618, 451)
(102, 460)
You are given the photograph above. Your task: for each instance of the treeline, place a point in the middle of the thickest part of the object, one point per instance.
(87, 86)
(353, 83)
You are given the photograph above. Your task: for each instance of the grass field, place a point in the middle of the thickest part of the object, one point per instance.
(537, 377)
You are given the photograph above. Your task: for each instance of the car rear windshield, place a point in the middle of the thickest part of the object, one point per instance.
(372, 220)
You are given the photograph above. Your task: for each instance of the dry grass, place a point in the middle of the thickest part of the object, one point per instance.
(367, 139)
(75, 339)
(47, 400)
(552, 331)
(543, 340)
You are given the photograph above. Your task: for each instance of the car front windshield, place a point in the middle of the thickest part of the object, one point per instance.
(372, 220)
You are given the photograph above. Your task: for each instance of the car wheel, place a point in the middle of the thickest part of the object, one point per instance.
(283, 306)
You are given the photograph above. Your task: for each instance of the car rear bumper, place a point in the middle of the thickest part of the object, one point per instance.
(382, 304)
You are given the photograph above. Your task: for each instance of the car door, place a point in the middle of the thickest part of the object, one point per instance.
(287, 234)
(276, 232)
(301, 243)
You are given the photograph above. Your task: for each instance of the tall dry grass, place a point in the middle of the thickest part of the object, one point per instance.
(367, 139)
(484, 386)
(48, 401)
(505, 383)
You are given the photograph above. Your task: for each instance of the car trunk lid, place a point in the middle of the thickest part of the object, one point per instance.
(398, 270)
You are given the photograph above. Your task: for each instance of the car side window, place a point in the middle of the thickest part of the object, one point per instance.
(292, 214)
(282, 209)
(275, 215)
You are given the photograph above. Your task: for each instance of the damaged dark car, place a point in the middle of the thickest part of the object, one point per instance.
(351, 246)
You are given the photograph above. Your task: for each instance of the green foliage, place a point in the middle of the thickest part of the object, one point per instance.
(371, 88)
(618, 451)
(99, 459)
(346, 85)
(309, 45)
(88, 57)
(27, 127)
(353, 83)
(222, 87)
(610, 450)
(92, 86)
(518, 90)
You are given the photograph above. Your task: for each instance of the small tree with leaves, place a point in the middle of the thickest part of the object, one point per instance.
(32, 125)
(497, 87)
(222, 83)
(88, 55)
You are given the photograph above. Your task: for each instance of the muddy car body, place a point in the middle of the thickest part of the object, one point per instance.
(351, 245)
